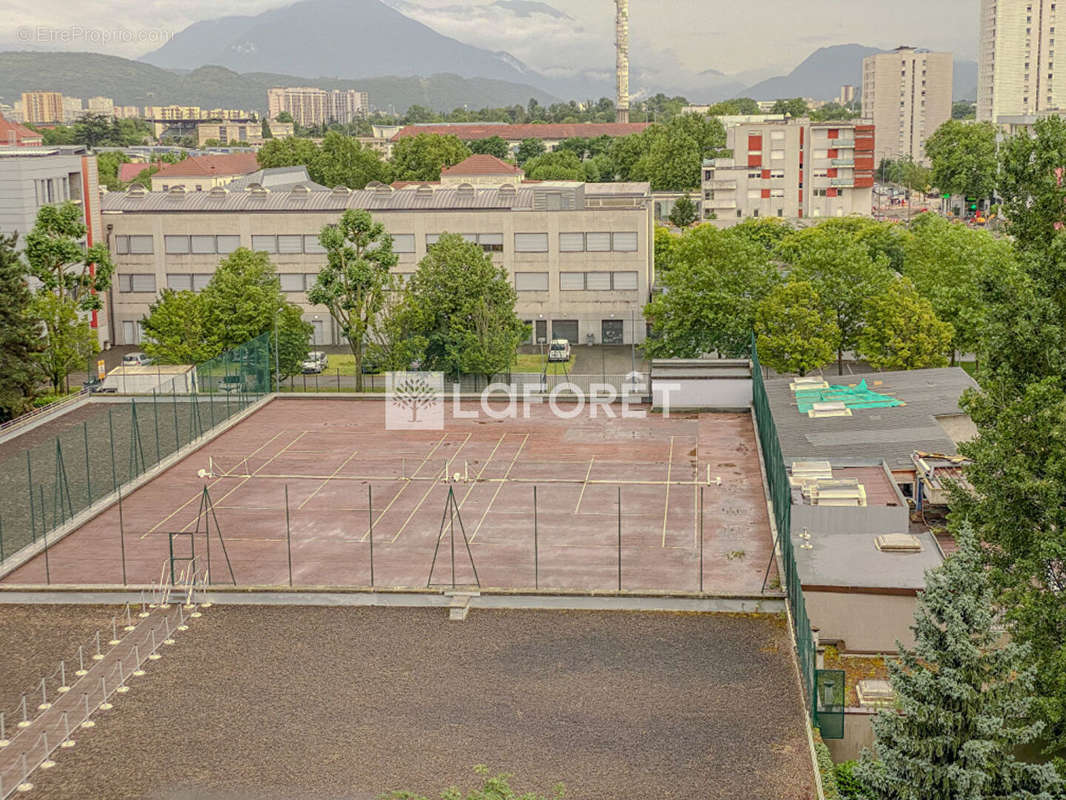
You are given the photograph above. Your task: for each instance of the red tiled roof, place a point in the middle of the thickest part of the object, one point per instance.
(482, 164)
(11, 133)
(582, 130)
(127, 172)
(207, 166)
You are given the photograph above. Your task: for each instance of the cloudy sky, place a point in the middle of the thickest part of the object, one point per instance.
(758, 36)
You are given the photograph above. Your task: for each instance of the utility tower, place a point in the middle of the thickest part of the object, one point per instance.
(622, 45)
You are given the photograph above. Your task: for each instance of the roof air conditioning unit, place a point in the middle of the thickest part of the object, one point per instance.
(898, 543)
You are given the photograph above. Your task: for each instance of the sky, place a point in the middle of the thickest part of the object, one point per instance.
(757, 37)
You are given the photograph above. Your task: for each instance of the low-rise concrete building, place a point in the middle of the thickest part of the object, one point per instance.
(552, 135)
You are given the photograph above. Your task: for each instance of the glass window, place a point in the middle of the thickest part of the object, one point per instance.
(200, 281)
(571, 281)
(571, 242)
(288, 243)
(267, 244)
(625, 281)
(176, 245)
(141, 245)
(531, 242)
(403, 243)
(598, 281)
(491, 242)
(122, 245)
(203, 244)
(531, 281)
(432, 239)
(291, 281)
(179, 283)
(136, 283)
(227, 244)
(469, 237)
(312, 246)
(625, 242)
(598, 242)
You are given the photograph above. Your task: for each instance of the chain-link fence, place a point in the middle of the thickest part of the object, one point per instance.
(337, 380)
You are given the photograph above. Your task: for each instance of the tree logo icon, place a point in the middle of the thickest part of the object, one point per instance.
(414, 401)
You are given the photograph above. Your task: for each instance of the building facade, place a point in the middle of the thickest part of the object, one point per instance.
(906, 95)
(552, 135)
(309, 106)
(579, 255)
(847, 94)
(200, 173)
(42, 107)
(1016, 72)
(792, 169)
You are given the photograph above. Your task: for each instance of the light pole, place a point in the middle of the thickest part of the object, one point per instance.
(277, 355)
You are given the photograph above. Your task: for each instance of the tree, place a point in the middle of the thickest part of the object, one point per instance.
(20, 335)
(714, 284)
(562, 165)
(684, 212)
(839, 268)
(672, 163)
(964, 699)
(69, 339)
(458, 313)
(767, 232)
(492, 146)
(63, 265)
(1032, 182)
(963, 157)
(793, 333)
(352, 283)
(284, 116)
(422, 157)
(964, 109)
(530, 149)
(343, 161)
(107, 165)
(796, 107)
(665, 242)
(265, 130)
(902, 331)
(175, 331)
(289, 152)
(831, 112)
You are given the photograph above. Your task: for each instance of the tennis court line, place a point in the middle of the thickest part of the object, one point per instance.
(503, 483)
(669, 469)
(445, 471)
(584, 486)
(485, 466)
(200, 494)
(327, 480)
(406, 482)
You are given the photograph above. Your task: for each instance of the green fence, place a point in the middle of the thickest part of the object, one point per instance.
(780, 495)
(53, 472)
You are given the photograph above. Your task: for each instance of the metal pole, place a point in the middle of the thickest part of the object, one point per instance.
(619, 538)
(451, 531)
(277, 362)
(1, 553)
(122, 539)
(88, 479)
(288, 532)
(155, 414)
(177, 442)
(33, 509)
(370, 507)
(701, 539)
(111, 439)
(536, 552)
(47, 566)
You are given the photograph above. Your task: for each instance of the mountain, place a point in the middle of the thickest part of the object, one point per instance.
(134, 83)
(820, 75)
(964, 84)
(343, 38)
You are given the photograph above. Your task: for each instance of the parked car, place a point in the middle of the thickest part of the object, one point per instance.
(559, 350)
(137, 360)
(315, 363)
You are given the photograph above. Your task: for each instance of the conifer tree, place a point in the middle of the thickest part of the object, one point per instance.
(20, 335)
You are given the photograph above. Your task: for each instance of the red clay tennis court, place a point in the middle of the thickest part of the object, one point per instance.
(335, 459)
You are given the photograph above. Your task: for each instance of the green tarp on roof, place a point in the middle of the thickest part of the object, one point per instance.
(854, 397)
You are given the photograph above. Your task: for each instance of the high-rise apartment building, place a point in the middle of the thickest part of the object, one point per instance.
(1016, 59)
(906, 94)
(42, 107)
(310, 106)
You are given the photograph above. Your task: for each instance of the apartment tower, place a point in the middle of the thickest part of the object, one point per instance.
(42, 107)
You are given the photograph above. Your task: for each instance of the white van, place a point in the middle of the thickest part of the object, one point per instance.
(559, 350)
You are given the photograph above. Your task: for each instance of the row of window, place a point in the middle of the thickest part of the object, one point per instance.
(578, 281)
(403, 243)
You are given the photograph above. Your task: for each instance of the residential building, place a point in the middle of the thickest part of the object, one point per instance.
(161, 113)
(32, 177)
(552, 135)
(42, 107)
(73, 109)
(100, 105)
(309, 106)
(12, 134)
(906, 95)
(482, 171)
(579, 255)
(1016, 59)
(847, 94)
(243, 133)
(128, 112)
(791, 169)
(200, 173)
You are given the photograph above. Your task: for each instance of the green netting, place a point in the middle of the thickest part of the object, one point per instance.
(854, 397)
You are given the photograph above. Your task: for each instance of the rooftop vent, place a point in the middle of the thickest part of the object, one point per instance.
(258, 190)
(342, 191)
(425, 190)
(301, 190)
(812, 470)
(176, 191)
(875, 693)
(217, 191)
(898, 543)
(838, 493)
(136, 190)
(465, 190)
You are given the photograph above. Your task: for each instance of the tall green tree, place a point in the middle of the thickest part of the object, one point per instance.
(289, 152)
(901, 330)
(767, 232)
(422, 157)
(20, 335)
(492, 146)
(342, 161)
(562, 165)
(963, 157)
(1032, 182)
(684, 212)
(69, 339)
(107, 165)
(64, 266)
(793, 333)
(352, 283)
(458, 313)
(714, 284)
(530, 149)
(963, 700)
(842, 273)
(665, 242)
(796, 107)
(175, 331)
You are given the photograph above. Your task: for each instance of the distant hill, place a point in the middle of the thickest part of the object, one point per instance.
(820, 75)
(342, 38)
(965, 81)
(135, 83)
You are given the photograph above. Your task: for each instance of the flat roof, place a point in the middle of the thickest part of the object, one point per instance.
(845, 560)
(872, 434)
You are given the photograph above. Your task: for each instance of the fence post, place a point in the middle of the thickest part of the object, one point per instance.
(155, 414)
(177, 441)
(370, 509)
(619, 538)
(29, 486)
(111, 439)
(536, 552)
(122, 537)
(701, 540)
(288, 532)
(88, 472)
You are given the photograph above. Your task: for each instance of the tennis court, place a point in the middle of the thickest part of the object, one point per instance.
(584, 503)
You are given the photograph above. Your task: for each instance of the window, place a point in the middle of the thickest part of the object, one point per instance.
(289, 244)
(267, 244)
(625, 242)
(136, 283)
(598, 242)
(571, 281)
(755, 174)
(777, 173)
(403, 243)
(777, 136)
(571, 242)
(598, 281)
(432, 239)
(74, 186)
(202, 244)
(291, 281)
(777, 155)
(312, 245)
(176, 245)
(179, 283)
(625, 281)
(777, 193)
(200, 281)
(227, 244)
(491, 242)
(531, 281)
(531, 242)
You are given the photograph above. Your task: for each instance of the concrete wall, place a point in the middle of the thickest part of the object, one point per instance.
(858, 734)
(866, 623)
(724, 393)
(867, 519)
